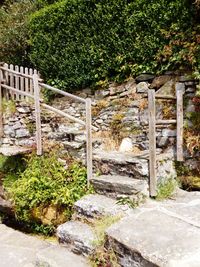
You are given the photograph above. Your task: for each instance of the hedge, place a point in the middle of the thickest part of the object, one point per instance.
(83, 41)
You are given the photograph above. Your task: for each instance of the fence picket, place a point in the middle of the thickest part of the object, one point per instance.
(17, 82)
(12, 95)
(26, 89)
(31, 81)
(22, 82)
(7, 81)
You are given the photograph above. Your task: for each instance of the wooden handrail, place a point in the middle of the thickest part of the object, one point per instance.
(17, 91)
(62, 92)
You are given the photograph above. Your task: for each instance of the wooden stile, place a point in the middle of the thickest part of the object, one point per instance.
(152, 142)
(89, 139)
(1, 106)
(37, 115)
(180, 88)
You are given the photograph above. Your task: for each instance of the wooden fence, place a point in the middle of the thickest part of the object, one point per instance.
(20, 83)
(12, 75)
(153, 123)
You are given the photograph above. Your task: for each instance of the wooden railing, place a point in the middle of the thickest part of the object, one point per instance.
(153, 123)
(23, 84)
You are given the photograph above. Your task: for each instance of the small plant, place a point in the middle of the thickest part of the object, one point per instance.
(117, 127)
(166, 189)
(103, 256)
(133, 202)
(100, 227)
(100, 105)
(9, 107)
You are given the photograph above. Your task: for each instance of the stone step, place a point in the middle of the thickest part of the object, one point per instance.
(113, 162)
(96, 206)
(116, 185)
(77, 236)
(133, 165)
(20, 250)
(156, 238)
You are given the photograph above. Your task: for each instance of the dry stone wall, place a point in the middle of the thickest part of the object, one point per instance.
(119, 112)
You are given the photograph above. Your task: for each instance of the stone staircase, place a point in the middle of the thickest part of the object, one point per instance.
(157, 234)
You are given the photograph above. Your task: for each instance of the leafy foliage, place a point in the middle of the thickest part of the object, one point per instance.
(166, 189)
(14, 46)
(82, 42)
(46, 183)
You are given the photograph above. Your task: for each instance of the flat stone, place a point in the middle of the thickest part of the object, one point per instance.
(145, 77)
(142, 87)
(56, 256)
(167, 89)
(14, 150)
(98, 206)
(116, 89)
(20, 133)
(168, 133)
(20, 250)
(120, 184)
(125, 164)
(23, 109)
(160, 81)
(78, 236)
(154, 238)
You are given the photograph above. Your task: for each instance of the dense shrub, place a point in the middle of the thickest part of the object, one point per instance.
(81, 42)
(13, 31)
(14, 46)
(44, 193)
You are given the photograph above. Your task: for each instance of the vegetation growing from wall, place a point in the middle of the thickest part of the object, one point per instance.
(44, 193)
(82, 42)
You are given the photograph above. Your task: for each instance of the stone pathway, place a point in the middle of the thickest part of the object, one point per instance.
(20, 250)
(164, 234)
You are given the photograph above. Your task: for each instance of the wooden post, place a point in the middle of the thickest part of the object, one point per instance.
(89, 139)
(152, 142)
(179, 117)
(1, 105)
(37, 114)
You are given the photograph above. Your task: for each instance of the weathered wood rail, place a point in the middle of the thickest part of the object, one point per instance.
(153, 123)
(22, 84)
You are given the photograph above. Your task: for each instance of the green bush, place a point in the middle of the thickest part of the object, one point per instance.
(14, 46)
(81, 42)
(45, 186)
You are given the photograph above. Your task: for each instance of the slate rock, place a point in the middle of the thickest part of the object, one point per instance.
(78, 236)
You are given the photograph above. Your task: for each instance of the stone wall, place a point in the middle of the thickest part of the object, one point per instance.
(119, 111)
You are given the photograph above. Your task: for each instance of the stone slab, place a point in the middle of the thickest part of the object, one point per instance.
(20, 250)
(97, 206)
(78, 236)
(154, 238)
(14, 150)
(120, 184)
(56, 256)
